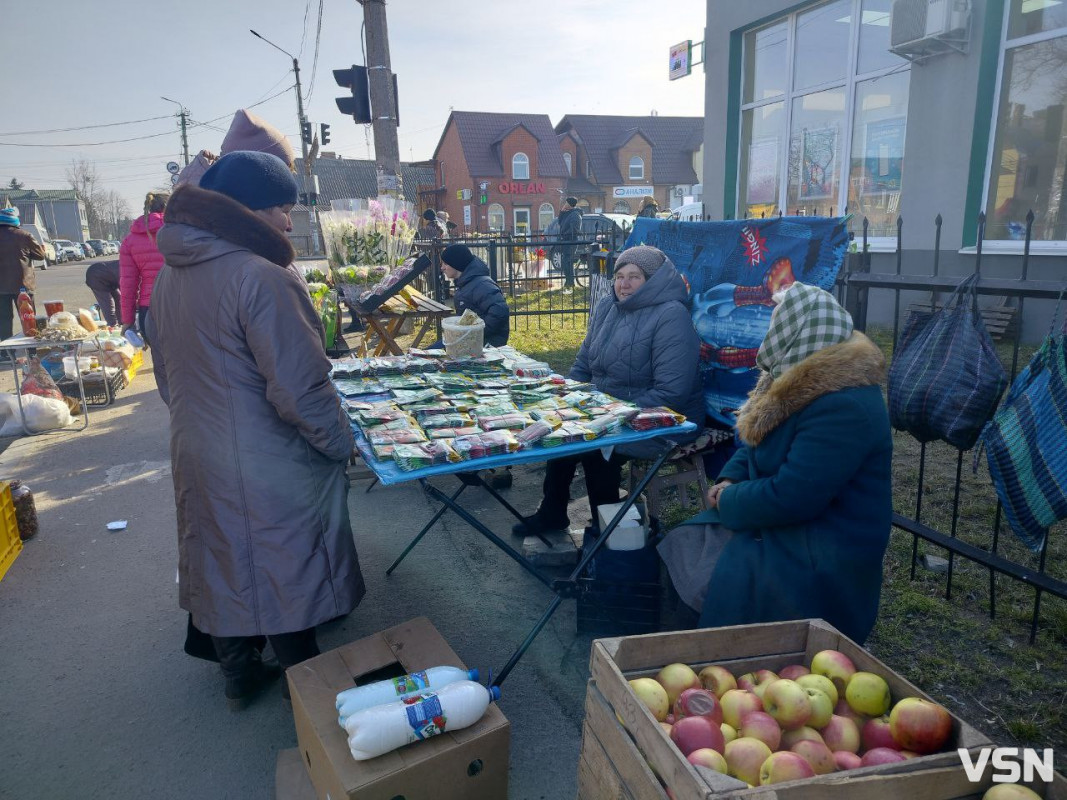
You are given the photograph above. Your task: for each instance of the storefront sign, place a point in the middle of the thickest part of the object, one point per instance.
(680, 65)
(631, 191)
(467, 216)
(522, 188)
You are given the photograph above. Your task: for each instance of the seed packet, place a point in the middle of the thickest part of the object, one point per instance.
(405, 422)
(514, 421)
(404, 436)
(530, 369)
(452, 433)
(604, 425)
(560, 415)
(579, 399)
(453, 420)
(493, 383)
(354, 387)
(490, 443)
(495, 409)
(402, 381)
(428, 409)
(405, 397)
(384, 451)
(660, 417)
(427, 454)
(568, 433)
(378, 414)
(530, 436)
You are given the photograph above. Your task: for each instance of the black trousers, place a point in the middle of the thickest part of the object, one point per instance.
(237, 654)
(110, 303)
(7, 315)
(602, 479)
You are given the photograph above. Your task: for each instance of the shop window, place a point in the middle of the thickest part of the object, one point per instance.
(637, 168)
(545, 215)
(567, 161)
(1026, 165)
(823, 115)
(522, 221)
(520, 167)
(622, 207)
(496, 217)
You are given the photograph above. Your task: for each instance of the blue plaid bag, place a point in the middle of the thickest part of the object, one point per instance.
(1026, 443)
(946, 379)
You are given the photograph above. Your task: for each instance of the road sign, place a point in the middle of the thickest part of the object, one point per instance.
(173, 180)
(173, 168)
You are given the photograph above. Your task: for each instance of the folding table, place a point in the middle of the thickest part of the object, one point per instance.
(15, 344)
(389, 473)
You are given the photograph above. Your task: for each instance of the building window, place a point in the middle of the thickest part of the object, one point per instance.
(589, 169)
(496, 217)
(1026, 164)
(823, 116)
(567, 161)
(443, 181)
(622, 207)
(545, 215)
(522, 221)
(637, 168)
(520, 167)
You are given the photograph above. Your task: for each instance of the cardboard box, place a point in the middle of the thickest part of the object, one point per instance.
(291, 780)
(471, 763)
(740, 649)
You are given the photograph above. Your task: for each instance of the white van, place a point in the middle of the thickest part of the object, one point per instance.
(39, 236)
(690, 212)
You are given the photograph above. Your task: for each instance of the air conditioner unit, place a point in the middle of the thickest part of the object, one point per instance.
(927, 26)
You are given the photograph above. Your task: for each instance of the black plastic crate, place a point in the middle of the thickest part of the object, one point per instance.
(609, 608)
(99, 390)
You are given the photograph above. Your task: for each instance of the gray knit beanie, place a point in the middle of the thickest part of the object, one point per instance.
(645, 258)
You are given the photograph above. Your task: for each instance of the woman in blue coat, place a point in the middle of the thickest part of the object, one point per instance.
(800, 516)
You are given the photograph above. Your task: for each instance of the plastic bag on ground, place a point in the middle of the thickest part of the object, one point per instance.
(42, 414)
(39, 382)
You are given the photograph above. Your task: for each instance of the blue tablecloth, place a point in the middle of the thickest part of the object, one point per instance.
(389, 473)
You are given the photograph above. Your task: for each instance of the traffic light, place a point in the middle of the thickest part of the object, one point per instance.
(358, 105)
(309, 199)
(324, 133)
(305, 132)
(304, 199)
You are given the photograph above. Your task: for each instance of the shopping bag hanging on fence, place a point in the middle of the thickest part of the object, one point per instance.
(1026, 443)
(945, 379)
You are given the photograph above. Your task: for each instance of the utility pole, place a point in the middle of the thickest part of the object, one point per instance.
(382, 99)
(183, 112)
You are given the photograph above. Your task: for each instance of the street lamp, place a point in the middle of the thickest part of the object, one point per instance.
(183, 113)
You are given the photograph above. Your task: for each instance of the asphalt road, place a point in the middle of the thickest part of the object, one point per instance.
(99, 701)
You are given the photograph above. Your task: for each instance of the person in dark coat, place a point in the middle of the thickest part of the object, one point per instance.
(18, 250)
(641, 347)
(570, 228)
(800, 516)
(259, 442)
(103, 278)
(649, 207)
(432, 227)
(476, 290)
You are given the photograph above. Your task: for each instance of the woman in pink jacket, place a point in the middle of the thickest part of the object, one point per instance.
(140, 262)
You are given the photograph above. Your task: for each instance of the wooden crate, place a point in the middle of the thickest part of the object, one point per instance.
(741, 649)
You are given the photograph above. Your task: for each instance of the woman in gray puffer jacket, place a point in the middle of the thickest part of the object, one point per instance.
(641, 346)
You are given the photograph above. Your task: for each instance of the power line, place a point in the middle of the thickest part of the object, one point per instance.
(86, 127)
(315, 63)
(304, 29)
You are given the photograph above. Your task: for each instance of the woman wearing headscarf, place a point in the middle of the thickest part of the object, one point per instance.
(259, 442)
(799, 518)
(649, 207)
(140, 262)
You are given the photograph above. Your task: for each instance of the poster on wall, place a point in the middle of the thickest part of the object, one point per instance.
(818, 163)
(762, 184)
(883, 155)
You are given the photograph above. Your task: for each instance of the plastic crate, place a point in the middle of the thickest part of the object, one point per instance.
(620, 593)
(10, 543)
(100, 389)
(135, 364)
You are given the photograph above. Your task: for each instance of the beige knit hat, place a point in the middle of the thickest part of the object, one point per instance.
(249, 132)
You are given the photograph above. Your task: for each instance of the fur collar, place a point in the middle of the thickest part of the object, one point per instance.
(226, 218)
(856, 362)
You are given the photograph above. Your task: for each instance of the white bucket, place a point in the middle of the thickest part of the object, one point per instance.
(71, 371)
(462, 341)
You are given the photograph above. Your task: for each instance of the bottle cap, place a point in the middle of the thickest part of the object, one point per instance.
(494, 693)
(473, 674)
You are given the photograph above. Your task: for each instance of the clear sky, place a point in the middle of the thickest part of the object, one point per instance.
(71, 63)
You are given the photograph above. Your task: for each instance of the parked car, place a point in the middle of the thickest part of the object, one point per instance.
(61, 256)
(112, 248)
(38, 235)
(98, 248)
(71, 250)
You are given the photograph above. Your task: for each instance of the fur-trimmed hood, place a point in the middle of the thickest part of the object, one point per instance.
(225, 219)
(856, 362)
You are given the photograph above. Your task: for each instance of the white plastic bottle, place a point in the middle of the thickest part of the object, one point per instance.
(379, 729)
(374, 694)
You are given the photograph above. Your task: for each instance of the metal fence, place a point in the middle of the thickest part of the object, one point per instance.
(974, 534)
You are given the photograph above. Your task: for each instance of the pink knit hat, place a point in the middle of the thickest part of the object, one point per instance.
(249, 132)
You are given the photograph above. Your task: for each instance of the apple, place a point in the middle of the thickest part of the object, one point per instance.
(717, 679)
(729, 732)
(788, 703)
(790, 738)
(761, 725)
(841, 733)
(822, 708)
(817, 754)
(698, 703)
(756, 682)
(846, 760)
(843, 709)
(868, 694)
(909, 754)
(744, 757)
(881, 755)
(671, 719)
(876, 733)
(835, 665)
(1010, 791)
(784, 766)
(696, 733)
(653, 696)
(920, 725)
(676, 678)
(736, 703)
(793, 671)
(706, 757)
(821, 682)
(666, 727)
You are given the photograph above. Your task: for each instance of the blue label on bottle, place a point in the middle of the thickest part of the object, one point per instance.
(426, 717)
(415, 682)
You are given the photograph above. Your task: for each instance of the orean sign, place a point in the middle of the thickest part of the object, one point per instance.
(680, 65)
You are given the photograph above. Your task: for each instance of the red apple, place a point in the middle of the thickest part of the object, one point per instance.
(846, 760)
(761, 725)
(671, 719)
(717, 679)
(843, 709)
(920, 725)
(836, 666)
(653, 696)
(841, 733)
(676, 678)
(757, 681)
(820, 682)
(816, 754)
(706, 757)
(698, 703)
(744, 757)
(784, 766)
(881, 755)
(790, 738)
(736, 703)
(788, 703)
(695, 733)
(869, 694)
(876, 733)
(793, 671)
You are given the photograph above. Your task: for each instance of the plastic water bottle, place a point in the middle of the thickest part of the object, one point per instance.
(374, 694)
(380, 729)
